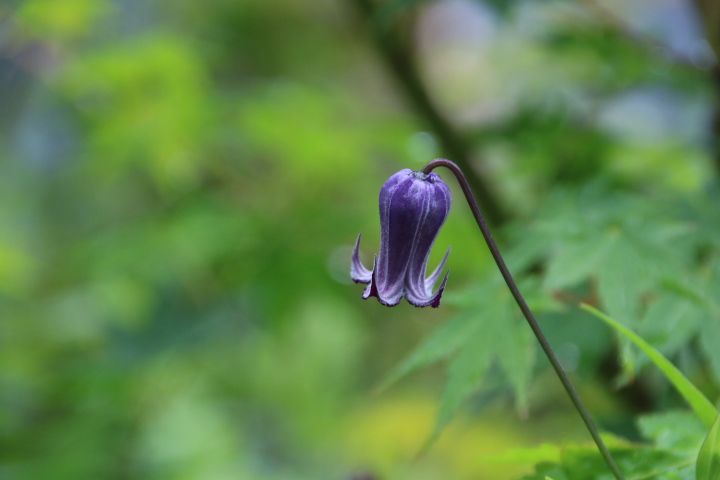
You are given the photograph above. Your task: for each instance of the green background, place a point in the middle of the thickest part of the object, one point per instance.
(181, 183)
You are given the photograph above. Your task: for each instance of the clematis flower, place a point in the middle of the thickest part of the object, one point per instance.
(413, 207)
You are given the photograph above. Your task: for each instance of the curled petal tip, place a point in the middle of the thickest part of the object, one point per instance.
(431, 300)
(430, 281)
(358, 272)
(436, 299)
(371, 289)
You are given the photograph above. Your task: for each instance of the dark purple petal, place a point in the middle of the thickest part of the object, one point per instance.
(399, 221)
(358, 272)
(432, 218)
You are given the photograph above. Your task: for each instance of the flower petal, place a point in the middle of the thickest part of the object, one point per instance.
(399, 221)
(372, 290)
(430, 281)
(434, 212)
(358, 272)
(428, 300)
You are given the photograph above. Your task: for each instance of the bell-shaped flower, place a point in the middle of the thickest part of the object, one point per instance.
(413, 207)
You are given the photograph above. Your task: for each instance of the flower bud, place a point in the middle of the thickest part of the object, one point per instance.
(413, 207)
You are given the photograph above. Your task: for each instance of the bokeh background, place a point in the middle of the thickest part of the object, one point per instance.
(181, 183)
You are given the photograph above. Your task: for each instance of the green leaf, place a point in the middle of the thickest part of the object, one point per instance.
(464, 376)
(516, 355)
(636, 462)
(708, 461)
(443, 341)
(670, 322)
(489, 328)
(575, 261)
(675, 430)
(622, 279)
(512, 341)
(694, 397)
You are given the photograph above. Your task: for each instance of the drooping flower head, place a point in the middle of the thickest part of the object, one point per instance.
(413, 207)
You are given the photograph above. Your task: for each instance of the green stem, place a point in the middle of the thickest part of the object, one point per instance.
(527, 313)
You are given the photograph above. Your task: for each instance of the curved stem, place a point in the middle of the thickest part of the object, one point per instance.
(527, 313)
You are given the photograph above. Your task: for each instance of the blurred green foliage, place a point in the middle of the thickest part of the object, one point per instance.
(181, 182)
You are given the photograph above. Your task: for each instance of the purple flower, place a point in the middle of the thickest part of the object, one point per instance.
(413, 207)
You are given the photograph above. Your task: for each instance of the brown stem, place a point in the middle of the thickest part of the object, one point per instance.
(400, 63)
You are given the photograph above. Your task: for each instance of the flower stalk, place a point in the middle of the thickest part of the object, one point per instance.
(527, 313)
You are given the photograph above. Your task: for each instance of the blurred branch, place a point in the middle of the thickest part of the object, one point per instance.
(621, 26)
(709, 12)
(715, 127)
(399, 61)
